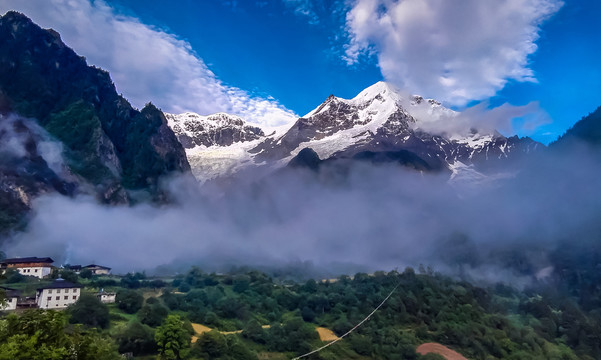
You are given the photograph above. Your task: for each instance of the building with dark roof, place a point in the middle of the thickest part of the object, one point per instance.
(75, 268)
(58, 295)
(29, 266)
(12, 298)
(98, 269)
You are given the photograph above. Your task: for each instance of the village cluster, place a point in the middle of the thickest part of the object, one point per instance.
(57, 295)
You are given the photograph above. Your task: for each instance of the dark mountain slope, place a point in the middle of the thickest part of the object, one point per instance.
(49, 94)
(588, 130)
(107, 141)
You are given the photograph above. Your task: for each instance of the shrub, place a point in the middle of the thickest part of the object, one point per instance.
(129, 301)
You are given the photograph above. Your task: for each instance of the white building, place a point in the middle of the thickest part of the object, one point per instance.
(58, 295)
(29, 266)
(12, 297)
(106, 297)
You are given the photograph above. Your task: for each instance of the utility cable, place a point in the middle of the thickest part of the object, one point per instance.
(351, 330)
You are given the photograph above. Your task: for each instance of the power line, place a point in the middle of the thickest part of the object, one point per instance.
(351, 330)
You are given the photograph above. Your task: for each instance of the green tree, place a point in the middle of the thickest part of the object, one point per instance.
(236, 349)
(214, 345)
(241, 283)
(253, 331)
(132, 280)
(86, 274)
(129, 301)
(13, 276)
(89, 310)
(69, 275)
(172, 339)
(39, 334)
(293, 335)
(308, 314)
(211, 344)
(362, 345)
(90, 345)
(153, 314)
(137, 339)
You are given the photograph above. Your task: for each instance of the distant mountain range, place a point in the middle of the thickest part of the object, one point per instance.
(379, 120)
(64, 129)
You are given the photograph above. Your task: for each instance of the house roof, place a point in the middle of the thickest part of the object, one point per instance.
(102, 292)
(60, 284)
(10, 292)
(96, 266)
(31, 259)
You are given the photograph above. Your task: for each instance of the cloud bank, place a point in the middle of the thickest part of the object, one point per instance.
(370, 218)
(506, 119)
(147, 63)
(453, 51)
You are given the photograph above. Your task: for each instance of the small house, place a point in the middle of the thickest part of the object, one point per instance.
(106, 297)
(58, 295)
(12, 298)
(29, 266)
(98, 269)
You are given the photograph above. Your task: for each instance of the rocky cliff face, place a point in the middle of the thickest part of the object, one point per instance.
(219, 129)
(108, 147)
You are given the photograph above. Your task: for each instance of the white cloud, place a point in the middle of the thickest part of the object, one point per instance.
(303, 8)
(454, 51)
(147, 63)
(507, 119)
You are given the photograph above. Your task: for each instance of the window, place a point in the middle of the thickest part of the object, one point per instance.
(74, 297)
(58, 298)
(49, 291)
(36, 270)
(49, 298)
(58, 291)
(66, 297)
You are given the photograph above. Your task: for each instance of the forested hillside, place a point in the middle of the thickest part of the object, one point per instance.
(249, 315)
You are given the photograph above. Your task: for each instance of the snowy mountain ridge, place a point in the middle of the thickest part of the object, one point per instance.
(217, 129)
(379, 119)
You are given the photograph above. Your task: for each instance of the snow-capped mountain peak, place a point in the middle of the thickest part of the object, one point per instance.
(379, 89)
(217, 144)
(383, 94)
(381, 118)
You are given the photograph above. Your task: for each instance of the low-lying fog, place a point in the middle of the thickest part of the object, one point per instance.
(376, 218)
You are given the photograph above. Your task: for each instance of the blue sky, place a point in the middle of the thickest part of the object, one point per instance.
(567, 66)
(265, 47)
(272, 60)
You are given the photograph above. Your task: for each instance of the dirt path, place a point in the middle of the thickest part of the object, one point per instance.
(439, 349)
(200, 329)
(326, 334)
